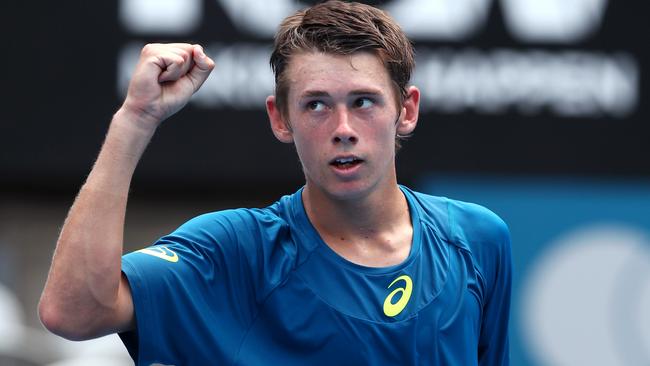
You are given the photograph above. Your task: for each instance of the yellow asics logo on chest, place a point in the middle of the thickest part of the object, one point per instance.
(161, 252)
(391, 309)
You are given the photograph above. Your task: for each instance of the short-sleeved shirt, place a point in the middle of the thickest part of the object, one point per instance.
(261, 287)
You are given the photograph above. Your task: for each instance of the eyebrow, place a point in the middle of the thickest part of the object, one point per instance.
(314, 93)
(321, 93)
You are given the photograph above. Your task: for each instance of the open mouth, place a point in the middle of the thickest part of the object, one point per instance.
(346, 163)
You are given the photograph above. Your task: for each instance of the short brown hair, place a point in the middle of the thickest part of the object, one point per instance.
(342, 28)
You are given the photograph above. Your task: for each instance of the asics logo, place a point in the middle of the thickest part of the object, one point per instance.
(161, 252)
(392, 309)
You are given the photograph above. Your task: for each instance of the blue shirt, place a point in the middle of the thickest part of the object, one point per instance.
(260, 287)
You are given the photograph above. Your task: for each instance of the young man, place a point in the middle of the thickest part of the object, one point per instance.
(352, 269)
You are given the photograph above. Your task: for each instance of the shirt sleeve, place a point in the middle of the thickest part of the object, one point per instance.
(201, 284)
(494, 339)
(488, 238)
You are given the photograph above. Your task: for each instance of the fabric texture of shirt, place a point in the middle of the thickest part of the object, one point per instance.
(260, 287)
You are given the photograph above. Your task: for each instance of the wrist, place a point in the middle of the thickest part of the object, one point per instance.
(128, 135)
(137, 119)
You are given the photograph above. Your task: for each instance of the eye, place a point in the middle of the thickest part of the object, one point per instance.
(363, 103)
(315, 106)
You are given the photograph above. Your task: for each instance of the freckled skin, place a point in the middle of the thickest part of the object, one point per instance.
(343, 107)
(343, 124)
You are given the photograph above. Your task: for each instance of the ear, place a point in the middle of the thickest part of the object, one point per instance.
(280, 128)
(410, 112)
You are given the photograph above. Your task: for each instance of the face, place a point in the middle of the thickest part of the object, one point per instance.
(343, 117)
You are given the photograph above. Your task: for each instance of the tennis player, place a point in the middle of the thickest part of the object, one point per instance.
(351, 269)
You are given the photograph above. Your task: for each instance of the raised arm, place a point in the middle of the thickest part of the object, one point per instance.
(85, 295)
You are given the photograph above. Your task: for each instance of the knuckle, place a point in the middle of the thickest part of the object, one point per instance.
(152, 48)
(184, 55)
(148, 48)
(179, 59)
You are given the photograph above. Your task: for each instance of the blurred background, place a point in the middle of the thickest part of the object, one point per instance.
(536, 109)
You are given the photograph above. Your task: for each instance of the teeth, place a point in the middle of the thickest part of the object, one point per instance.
(344, 160)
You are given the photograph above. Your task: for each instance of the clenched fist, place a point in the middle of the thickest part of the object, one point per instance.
(164, 79)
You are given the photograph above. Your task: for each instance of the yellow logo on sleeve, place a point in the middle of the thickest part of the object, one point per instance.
(391, 309)
(161, 252)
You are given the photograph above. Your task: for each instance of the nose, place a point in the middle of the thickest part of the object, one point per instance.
(344, 133)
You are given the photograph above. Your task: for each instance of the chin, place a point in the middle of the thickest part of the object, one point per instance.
(346, 191)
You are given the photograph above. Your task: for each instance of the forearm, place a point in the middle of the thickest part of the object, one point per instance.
(84, 280)
(85, 295)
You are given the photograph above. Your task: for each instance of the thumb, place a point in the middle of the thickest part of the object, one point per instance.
(202, 68)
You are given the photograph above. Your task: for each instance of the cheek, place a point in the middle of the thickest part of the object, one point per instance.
(385, 140)
(385, 135)
(307, 150)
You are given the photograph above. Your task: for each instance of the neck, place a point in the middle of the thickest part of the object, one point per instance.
(373, 230)
(375, 210)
